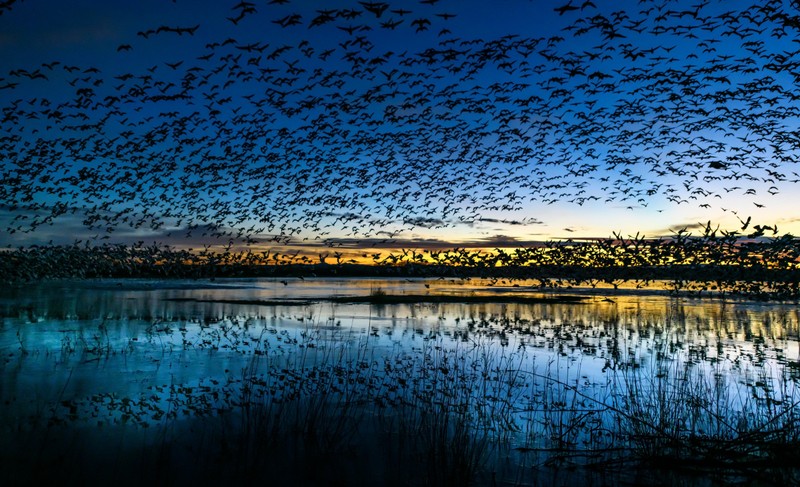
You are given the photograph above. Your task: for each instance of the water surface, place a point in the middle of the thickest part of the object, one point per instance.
(105, 353)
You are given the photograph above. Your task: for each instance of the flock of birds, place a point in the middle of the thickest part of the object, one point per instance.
(376, 117)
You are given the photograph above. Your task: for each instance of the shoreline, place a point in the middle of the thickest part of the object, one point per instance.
(481, 290)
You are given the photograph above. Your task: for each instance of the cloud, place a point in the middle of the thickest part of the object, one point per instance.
(789, 220)
(69, 227)
(523, 222)
(495, 241)
(693, 227)
(424, 222)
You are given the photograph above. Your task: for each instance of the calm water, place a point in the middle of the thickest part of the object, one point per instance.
(74, 352)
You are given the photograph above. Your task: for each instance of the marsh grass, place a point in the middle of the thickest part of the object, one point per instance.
(323, 403)
(701, 418)
(446, 415)
(378, 294)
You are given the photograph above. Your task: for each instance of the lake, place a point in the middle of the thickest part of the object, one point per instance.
(283, 379)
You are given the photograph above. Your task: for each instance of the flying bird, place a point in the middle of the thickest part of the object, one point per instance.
(565, 8)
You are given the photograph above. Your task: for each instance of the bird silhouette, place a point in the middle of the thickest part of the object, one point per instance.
(337, 127)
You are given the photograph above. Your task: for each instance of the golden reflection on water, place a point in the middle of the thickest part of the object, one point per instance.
(92, 298)
(639, 318)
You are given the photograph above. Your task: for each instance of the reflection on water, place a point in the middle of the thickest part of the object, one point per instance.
(75, 349)
(37, 317)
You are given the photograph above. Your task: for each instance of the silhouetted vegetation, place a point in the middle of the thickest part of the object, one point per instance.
(722, 263)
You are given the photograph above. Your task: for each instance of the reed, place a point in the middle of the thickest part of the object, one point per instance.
(323, 402)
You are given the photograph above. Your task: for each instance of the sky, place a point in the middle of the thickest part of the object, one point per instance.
(428, 124)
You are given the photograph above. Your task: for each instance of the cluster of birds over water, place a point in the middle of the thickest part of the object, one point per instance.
(369, 117)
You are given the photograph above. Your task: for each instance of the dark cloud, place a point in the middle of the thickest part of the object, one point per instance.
(501, 221)
(523, 222)
(424, 222)
(495, 241)
(693, 227)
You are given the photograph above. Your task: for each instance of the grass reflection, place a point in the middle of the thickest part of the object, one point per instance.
(449, 394)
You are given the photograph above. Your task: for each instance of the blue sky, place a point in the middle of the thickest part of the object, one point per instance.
(468, 122)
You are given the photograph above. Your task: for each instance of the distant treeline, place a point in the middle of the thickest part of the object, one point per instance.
(715, 262)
